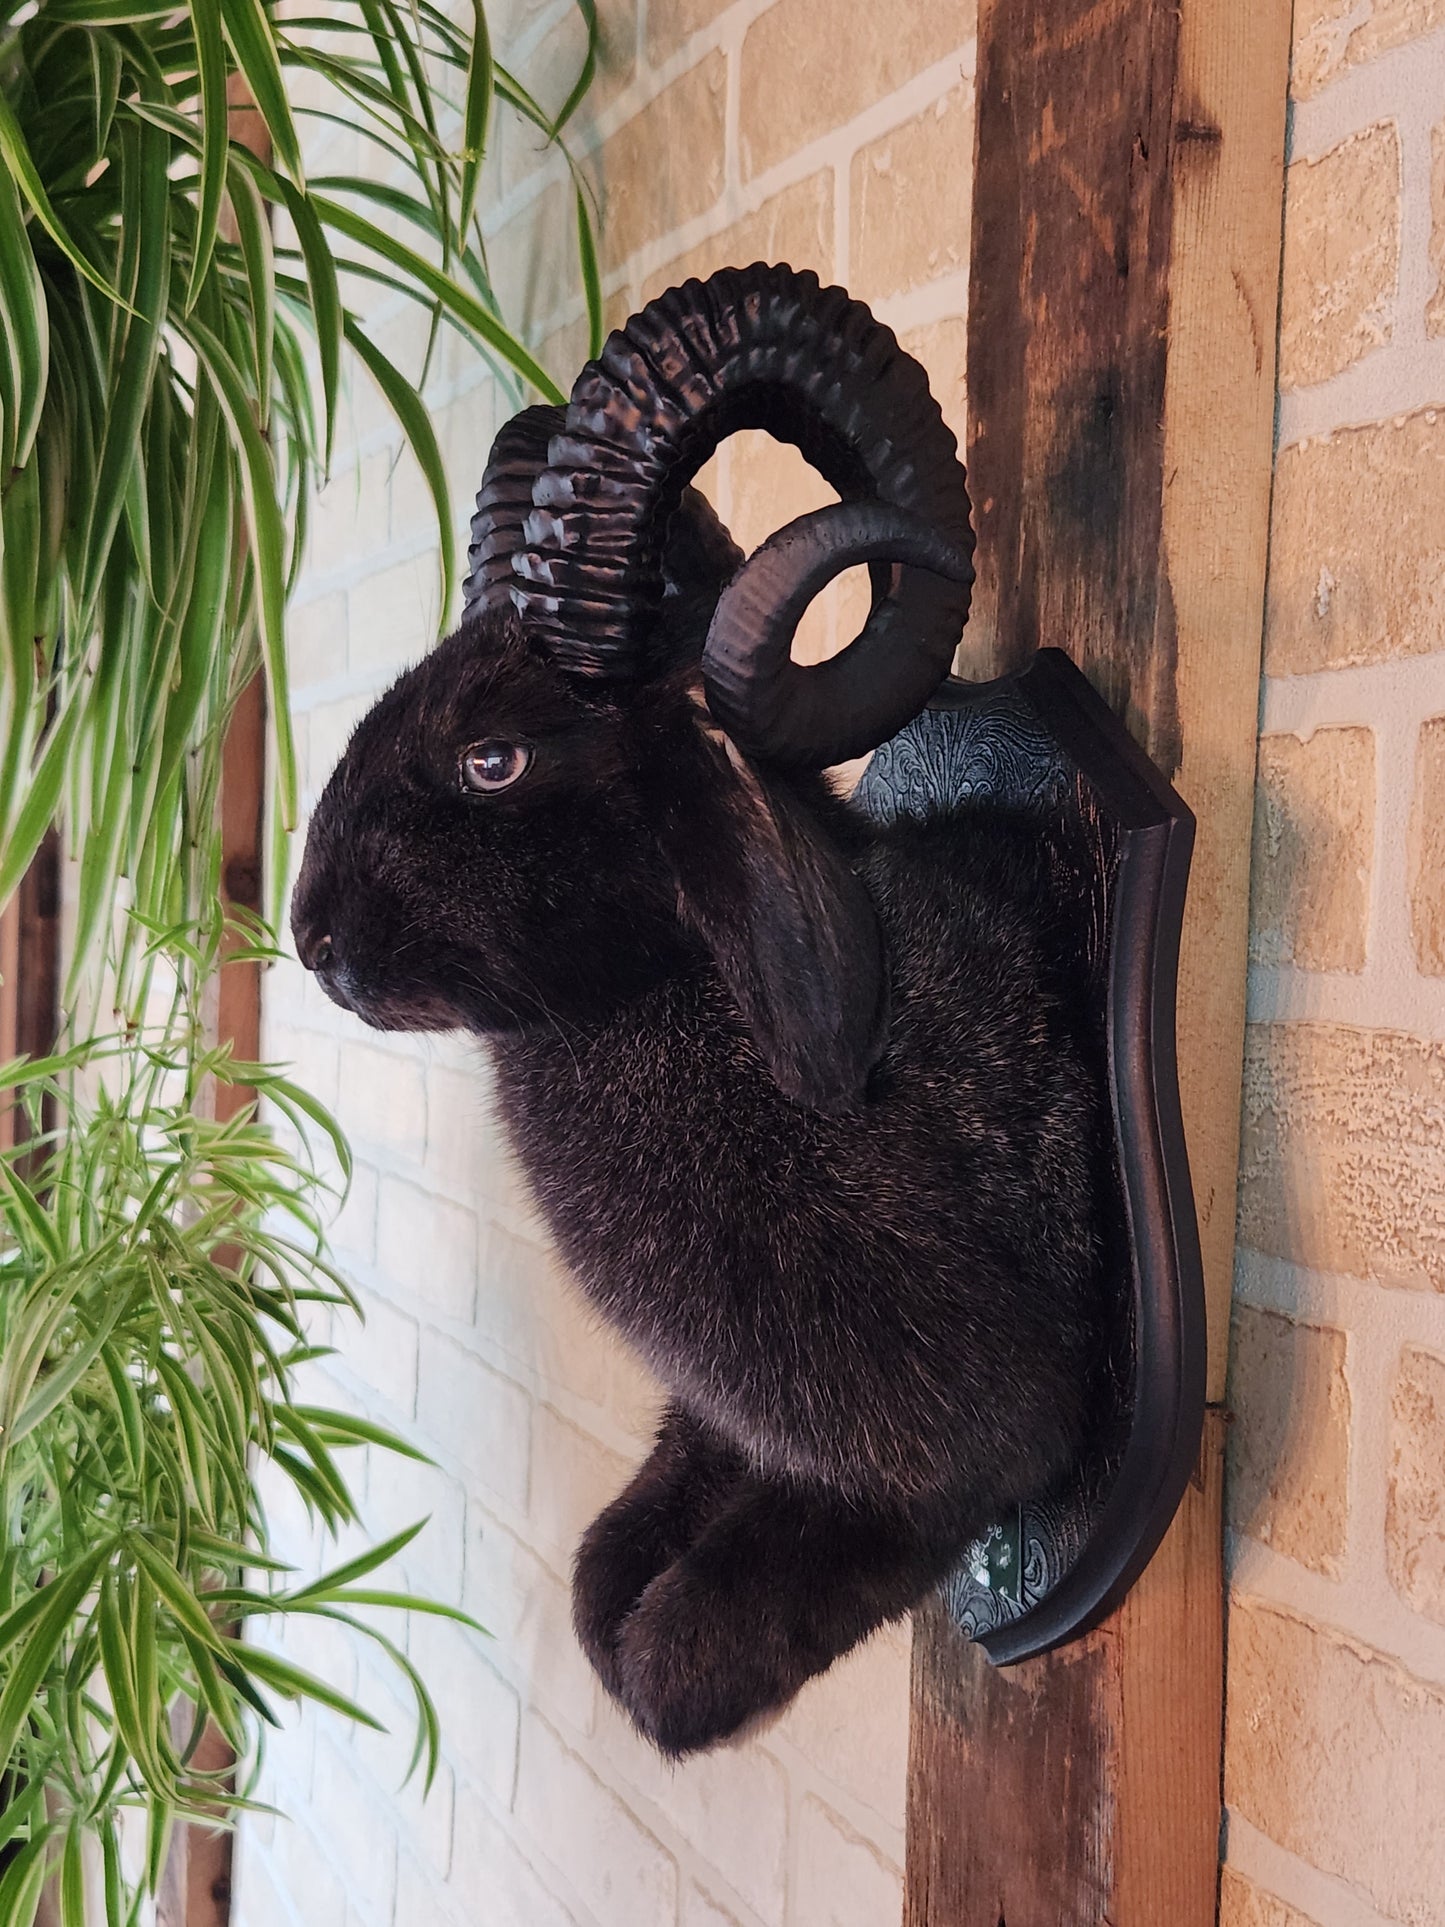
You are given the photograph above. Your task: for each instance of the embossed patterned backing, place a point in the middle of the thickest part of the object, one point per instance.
(1043, 742)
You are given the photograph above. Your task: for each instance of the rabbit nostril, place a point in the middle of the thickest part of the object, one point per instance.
(320, 954)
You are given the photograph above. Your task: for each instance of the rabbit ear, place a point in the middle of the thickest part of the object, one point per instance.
(789, 925)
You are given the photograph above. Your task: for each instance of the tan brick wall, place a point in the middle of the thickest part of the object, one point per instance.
(839, 137)
(1335, 1752)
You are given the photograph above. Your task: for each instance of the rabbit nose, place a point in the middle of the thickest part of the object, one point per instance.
(315, 952)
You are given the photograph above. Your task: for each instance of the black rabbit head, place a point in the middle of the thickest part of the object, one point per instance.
(609, 773)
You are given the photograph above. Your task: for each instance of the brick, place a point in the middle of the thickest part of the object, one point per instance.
(330, 727)
(807, 69)
(394, 618)
(730, 1805)
(314, 1060)
(467, 1409)
(1427, 850)
(1336, 1754)
(1415, 1509)
(1435, 308)
(426, 1823)
(533, 262)
(602, 1850)
(401, 1491)
(480, 1711)
(316, 639)
(1332, 36)
(381, 1349)
(350, 517)
(912, 197)
(489, 1863)
(642, 200)
(259, 1900)
(1242, 1904)
(528, 1611)
(842, 1879)
(1314, 834)
(1342, 1139)
(554, 62)
(1357, 547)
(382, 1098)
(1341, 256)
(1289, 1449)
(852, 1724)
(531, 1309)
(353, 1229)
(465, 429)
(671, 22)
(427, 1248)
(795, 226)
(313, 1888)
(573, 1478)
(358, 1836)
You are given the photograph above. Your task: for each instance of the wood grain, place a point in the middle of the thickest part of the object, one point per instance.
(1074, 1789)
(1123, 286)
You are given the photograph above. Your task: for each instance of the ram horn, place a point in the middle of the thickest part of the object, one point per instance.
(786, 714)
(759, 347)
(700, 555)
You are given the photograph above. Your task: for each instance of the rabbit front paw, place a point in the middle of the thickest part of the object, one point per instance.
(696, 1663)
(621, 1552)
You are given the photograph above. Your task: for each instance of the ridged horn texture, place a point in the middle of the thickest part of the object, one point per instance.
(504, 501)
(700, 554)
(787, 714)
(759, 347)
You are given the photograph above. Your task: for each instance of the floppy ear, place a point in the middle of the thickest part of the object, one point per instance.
(789, 925)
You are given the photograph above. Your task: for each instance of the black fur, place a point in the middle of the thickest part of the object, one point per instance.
(812, 1116)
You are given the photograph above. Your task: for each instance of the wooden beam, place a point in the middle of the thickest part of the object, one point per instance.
(196, 1888)
(1123, 286)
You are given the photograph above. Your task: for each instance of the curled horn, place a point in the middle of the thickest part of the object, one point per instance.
(759, 347)
(700, 554)
(504, 500)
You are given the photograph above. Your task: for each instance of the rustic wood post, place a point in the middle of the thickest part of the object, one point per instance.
(1121, 366)
(196, 1887)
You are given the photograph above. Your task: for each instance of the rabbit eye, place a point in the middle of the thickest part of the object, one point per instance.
(493, 766)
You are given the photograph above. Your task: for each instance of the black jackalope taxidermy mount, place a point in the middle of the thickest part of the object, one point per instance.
(815, 1097)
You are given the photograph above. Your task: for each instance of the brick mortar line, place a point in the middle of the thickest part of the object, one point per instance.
(1373, 1619)
(1367, 1001)
(1401, 378)
(1295, 1881)
(1370, 92)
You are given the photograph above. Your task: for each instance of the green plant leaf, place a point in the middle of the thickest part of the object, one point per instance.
(325, 299)
(294, 1682)
(476, 116)
(248, 29)
(407, 405)
(591, 275)
(453, 297)
(144, 151)
(25, 350)
(16, 155)
(264, 521)
(211, 68)
(62, 1600)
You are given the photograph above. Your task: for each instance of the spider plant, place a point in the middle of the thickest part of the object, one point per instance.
(158, 433)
(174, 339)
(156, 1269)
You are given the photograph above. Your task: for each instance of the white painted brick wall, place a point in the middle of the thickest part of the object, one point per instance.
(548, 1809)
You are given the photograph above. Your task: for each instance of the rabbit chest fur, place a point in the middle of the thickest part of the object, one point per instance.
(896, 1298)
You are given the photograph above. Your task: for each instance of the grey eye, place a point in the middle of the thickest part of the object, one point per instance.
(493, 766)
